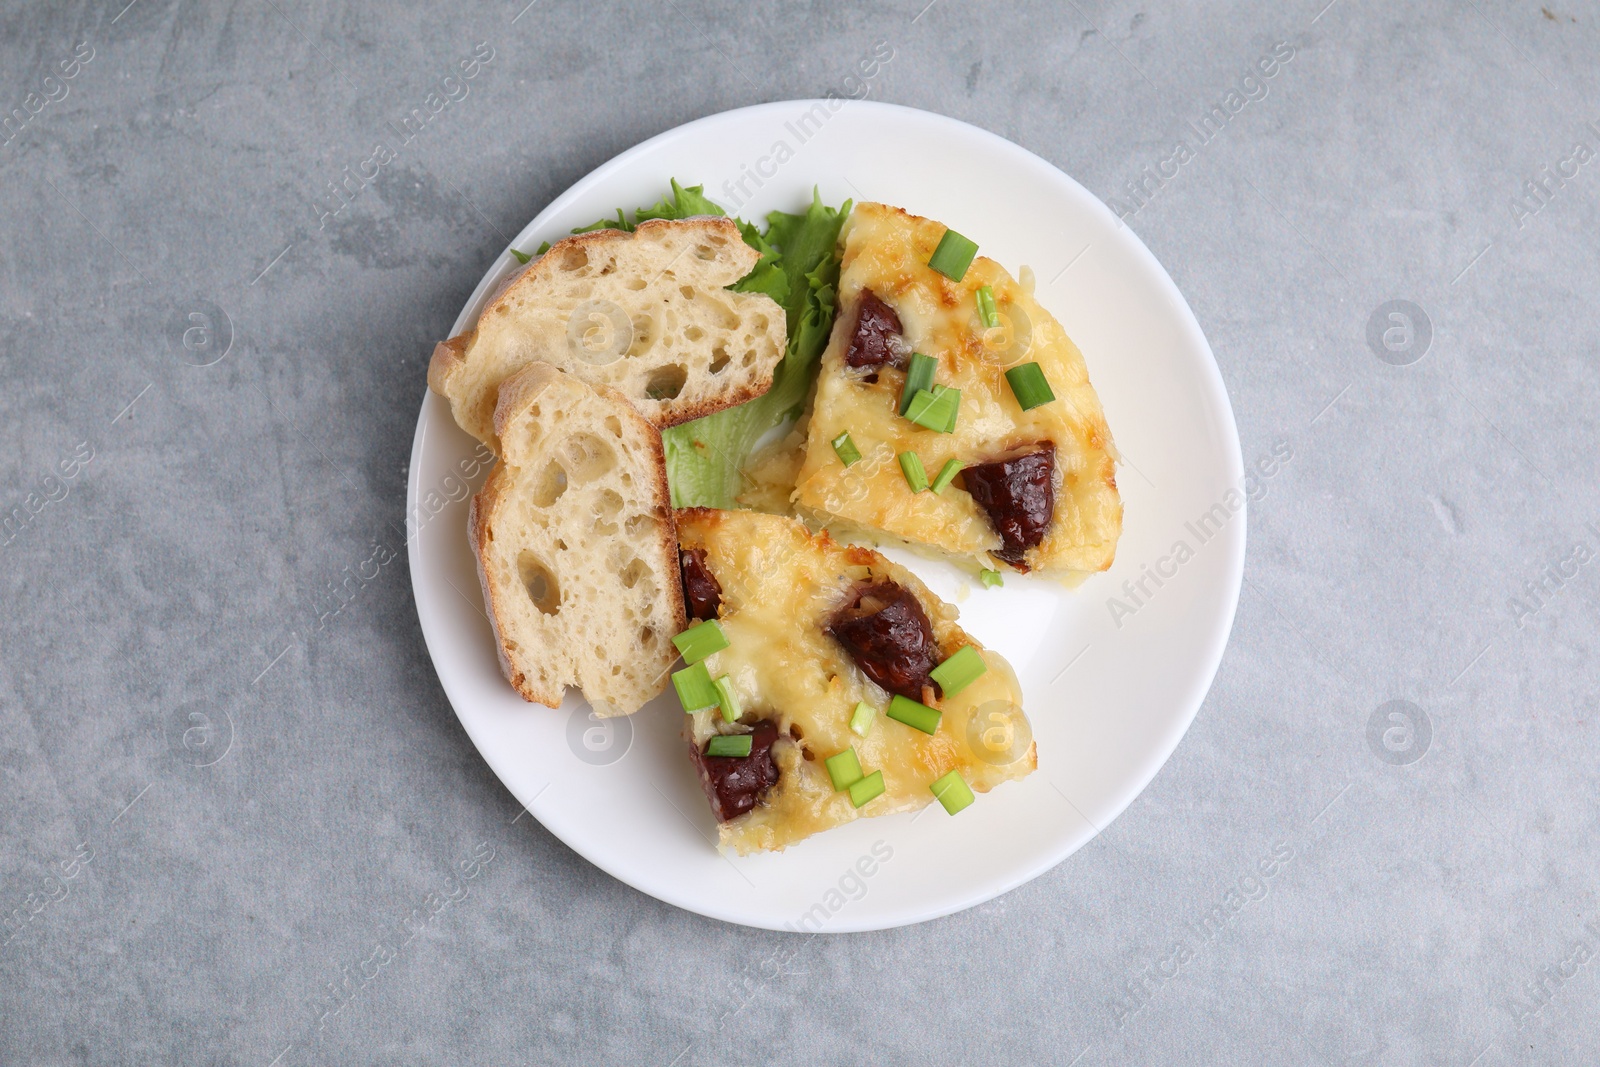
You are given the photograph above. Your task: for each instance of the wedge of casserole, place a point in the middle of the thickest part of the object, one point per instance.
(826, 684)
(952, 411)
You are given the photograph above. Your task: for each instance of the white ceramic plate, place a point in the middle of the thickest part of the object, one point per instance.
(1109, 691)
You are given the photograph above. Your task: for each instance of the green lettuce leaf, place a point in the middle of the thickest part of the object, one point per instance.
(686, 202)
(618, 223)
(768, 275)
(705, 457)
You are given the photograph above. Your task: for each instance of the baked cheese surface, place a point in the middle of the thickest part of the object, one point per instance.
(886, 252)
(781, 586)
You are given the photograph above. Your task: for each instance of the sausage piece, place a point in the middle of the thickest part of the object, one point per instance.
(876, 340)
(1019, 496)
(702, 594)
(735, 784)
(885, 630)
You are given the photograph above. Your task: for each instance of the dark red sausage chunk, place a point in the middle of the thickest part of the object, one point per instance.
(885, 629)
(702, 596)
(1019, 496)
(875, 342)
(735, 784)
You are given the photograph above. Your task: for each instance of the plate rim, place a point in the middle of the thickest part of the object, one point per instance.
(1231, 568)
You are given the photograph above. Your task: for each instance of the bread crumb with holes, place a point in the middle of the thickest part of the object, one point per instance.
(576, 544)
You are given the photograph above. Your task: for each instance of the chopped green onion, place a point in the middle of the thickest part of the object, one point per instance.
(938, 412)
(954, 404)
(986, 308)
(695, 689)
(911, 467)
(952, 791)
(959, 671)
(729, 745)
(953, 256)
(846, 449)
(919, 376)
(1029, 386)
(861, 719)
(917, 410)
(727, 699)
(992, 579)
(947, 474)
(544, 246)
(844, 769)
(913, 714)
(700, 640)
(522, 257)
(950, 398)
(867, 788)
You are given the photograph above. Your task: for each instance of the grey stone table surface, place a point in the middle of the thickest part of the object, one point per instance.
(208, 822)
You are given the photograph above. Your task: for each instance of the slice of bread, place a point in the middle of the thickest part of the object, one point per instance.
(576, 544)
(646, 313)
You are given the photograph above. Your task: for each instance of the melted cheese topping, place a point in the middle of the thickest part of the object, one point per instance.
(781, 586)
(887, 251)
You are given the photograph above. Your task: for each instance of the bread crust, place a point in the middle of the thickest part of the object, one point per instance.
(450, 369)
(477, 535)
(448, 357)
